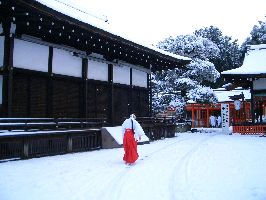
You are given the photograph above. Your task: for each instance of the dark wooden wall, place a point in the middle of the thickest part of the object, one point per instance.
(66, 96)
(35, 96)
(121, 104)
(140, 101)
(97, 100)
(29, 96)
(29, 93)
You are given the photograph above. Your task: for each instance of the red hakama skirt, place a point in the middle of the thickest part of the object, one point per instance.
(130, 147)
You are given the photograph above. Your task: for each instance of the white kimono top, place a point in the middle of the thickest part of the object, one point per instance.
(136, 127)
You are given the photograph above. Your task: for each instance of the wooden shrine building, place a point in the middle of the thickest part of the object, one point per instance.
(58, 61)
(252, 75)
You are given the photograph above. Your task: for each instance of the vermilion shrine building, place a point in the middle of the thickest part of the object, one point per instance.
(200, 113)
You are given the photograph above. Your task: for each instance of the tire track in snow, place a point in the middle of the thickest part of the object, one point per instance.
(178, 170)
(148, 156)
(116, 185)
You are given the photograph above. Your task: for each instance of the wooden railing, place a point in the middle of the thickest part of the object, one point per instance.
(159, 128)
(28, 145)
(29, 124)
(22, 138)
(28, 137)
(250, 129)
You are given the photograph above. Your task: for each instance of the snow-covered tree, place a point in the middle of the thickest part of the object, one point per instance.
(258, 34)
(202, 95)
(201, 70)
(190, 45)
(230, 55)
(173, 87)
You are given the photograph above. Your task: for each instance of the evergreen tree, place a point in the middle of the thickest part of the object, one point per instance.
(173, 87)
(230, 55)
(258, 34)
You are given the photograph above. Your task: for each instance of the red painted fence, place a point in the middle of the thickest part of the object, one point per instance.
(250, 130)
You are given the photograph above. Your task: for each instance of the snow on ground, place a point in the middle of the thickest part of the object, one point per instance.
(191, 166)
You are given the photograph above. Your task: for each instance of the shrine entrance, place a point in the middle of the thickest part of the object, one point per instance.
(200, 113)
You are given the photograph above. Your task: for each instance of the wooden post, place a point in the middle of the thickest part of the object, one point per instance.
(252, 103)
(7, 68)
(260, 110)
(25, 148)
(150, 90)
(208, 116)
(49, 99)
(84, 98)
(111, 111)
(150, 94)
(130, 108)
(192, 116)
(244, 106)
(69, 144)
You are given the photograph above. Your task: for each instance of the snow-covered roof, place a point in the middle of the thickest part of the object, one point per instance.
(254, 62)
(97, 21)
(223, 95)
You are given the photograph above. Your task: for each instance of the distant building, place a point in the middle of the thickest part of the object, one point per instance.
(252, 74)
(200, 113)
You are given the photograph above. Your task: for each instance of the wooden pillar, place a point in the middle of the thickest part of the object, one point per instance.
(69, 143)
(84, 96)
(130, 107)
(25, 148)
(208, 116)
(7, 69)
(198, 111)
(49, 99)
(244, 106)
(260, 110)
(150, 90)
(111, 110)
(29, 97)
(252, 103)
(192, 116)
(150, 93)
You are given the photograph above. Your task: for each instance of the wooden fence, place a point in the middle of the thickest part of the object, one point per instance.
(28, 145)
(250, 129)
(22, 138)
(28, 137)
(159, 128)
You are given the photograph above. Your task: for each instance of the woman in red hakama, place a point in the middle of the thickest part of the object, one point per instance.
(132, 132)
(130, 147)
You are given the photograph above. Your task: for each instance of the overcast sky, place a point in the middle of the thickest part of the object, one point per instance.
(150, 21)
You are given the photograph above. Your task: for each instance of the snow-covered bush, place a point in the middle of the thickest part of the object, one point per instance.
(202, 95)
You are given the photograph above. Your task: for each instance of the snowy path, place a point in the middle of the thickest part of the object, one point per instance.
(123, 188)
(188, 167)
